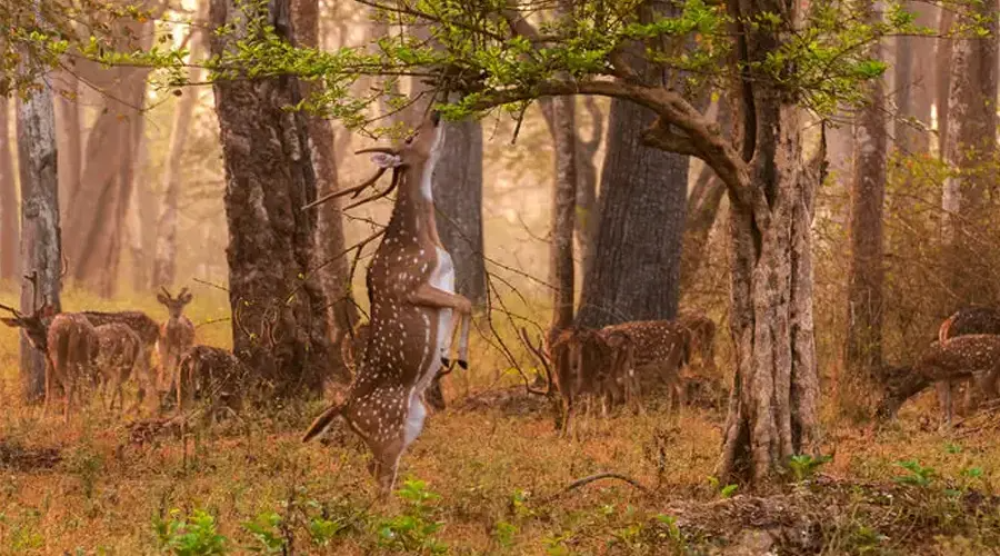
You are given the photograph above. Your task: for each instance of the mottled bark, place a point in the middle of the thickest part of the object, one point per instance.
(40, 236)
(587, 205)
(970, 149)
(330, 242)
(863, 346)
(636, 272)
(564, 198)
(95, 224)
(69, 136)
(458, 200)
(10, 237)
(280, 329)
(775, 396)
(165, 262)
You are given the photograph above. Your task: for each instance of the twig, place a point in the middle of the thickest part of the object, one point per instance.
(207, 283)
(587, 480)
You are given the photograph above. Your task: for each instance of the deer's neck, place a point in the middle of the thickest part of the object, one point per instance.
(413, 214)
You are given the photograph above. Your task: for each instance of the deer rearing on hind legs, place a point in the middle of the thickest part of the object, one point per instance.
(414, 310)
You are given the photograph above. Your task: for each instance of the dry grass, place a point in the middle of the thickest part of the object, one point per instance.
(500, 473)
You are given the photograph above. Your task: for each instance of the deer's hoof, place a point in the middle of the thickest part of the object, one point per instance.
(464, 364)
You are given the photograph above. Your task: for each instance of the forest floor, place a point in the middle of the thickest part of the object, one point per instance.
(487, 476)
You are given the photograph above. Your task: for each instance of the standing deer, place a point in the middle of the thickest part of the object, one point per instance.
(660, 348)
(212, 375)
(975, 356)
(414, 311)
(145, 328)
(120, 350)
(583, 372)
(176, 337)
(967, 321)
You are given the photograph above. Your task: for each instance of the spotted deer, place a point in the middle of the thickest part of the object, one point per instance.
(660, 349)
(213, 376)
(176, 337)
(975, 356)
(967, 321)
(583, 368)
(148, 332)
(354, 344)
(701, 337)
(120, 350)
(414, 311)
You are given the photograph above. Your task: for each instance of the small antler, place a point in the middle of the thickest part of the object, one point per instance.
(12, 310)
(166, 292)
(184, 292)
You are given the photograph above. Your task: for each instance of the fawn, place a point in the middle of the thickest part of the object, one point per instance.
(212, 375)
(176, 336)
(120, 350)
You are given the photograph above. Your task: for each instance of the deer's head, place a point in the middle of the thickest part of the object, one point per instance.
(35, 325)
(175, 305)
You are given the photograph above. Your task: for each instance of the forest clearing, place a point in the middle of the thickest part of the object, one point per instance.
(499, 277)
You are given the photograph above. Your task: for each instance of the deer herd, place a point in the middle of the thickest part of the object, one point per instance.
(407, 342)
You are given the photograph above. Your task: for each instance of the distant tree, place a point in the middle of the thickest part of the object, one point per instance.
(587, 202)
(280, 326)
(9, 227)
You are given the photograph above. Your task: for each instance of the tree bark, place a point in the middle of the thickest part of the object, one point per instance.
(69, 135)
(774, 400)
(564, 199)
(330, 242)
(280, 329)
(943, 56)
(587, 201)
(9, 226)
(165, 263)
(916, 84)
(970, 148)
(636, 271)
(863, 346)
(458, 200)
(40, 235)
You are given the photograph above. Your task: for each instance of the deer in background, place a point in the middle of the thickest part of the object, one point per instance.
(176, 337)
(145, 328)
(584, 371)
(212, 375)
(119, 351)
(701, 331)
(967, 321)
(414, 311)
(659, 348)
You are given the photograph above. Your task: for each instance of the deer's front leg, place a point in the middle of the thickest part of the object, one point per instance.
(429, 296)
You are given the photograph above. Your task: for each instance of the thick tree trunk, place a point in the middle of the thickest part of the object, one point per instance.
(458, 200)
(330, 240)
(69, 136)
(40, 236)
(10, 238)
(942, 86)
(970, 147)
(587, 205)
(165, 263)
(280, 328)
(95, 225)
(636, 271)
(863, 347)
(916, 84)
(141, 223)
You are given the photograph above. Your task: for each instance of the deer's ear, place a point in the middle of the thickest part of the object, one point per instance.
(161, 298)
(384, 160)
(187, 298)
(13, 323)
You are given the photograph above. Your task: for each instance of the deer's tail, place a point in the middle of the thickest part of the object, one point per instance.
(322, 422)
(944, 331)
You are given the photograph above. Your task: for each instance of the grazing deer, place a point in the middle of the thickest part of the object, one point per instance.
(145, 328)
(660, 348)
(624, 382)
(212, 375)
(120, 350)
(584, 371)
(967, 321)
(414, 311)
(176, 337)
(975, 356)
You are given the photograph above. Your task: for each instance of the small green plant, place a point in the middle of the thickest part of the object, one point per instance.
(669, 530)
(194, 535)
(413, 531)
(504, 532)
(918, 475)
(323, 531)
(725, 491)
(804, 467)
(266, 530)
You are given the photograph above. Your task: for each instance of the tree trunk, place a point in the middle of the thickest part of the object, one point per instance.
(943, 56)
(587, 205)
(863, 347)
(9, 227)
(564, 199)
(775, 396)
(165, 263)
(916, 84)
(69, 135)
(40, 236)
(330, 242)
(970, 147)
(95, 225)
(280, 329)
(141, 223)
(636, 272)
